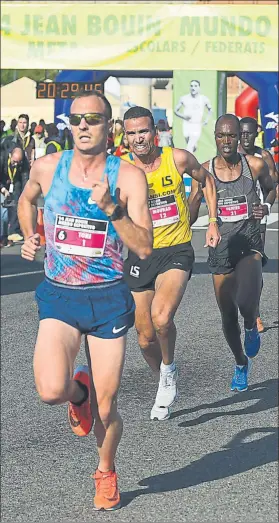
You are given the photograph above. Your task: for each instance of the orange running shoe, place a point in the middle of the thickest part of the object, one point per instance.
(260, 325)
(107, 495)
(80, 416)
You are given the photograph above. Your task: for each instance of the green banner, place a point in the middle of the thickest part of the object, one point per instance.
(139, 36)
(195, 95)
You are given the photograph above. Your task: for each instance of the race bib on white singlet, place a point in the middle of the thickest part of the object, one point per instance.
(164, 210)
(80, 236)
(233, 209)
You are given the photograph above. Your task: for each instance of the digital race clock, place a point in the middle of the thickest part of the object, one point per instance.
(65, 89)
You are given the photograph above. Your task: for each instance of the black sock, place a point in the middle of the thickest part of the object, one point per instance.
(85, 390)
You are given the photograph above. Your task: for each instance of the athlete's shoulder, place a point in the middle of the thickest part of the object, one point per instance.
(182, 155)
(48, 161)
(266, 155)
(184, 161)
(179, 154)
(207, 164)
(255, 163)
(127, 167)
(204, 98)
(185, 98)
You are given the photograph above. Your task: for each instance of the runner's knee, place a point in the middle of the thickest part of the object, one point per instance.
(248, 309)
(162, 320)
(229, 318)
(146, 338)
(106, 409)
(52, 394)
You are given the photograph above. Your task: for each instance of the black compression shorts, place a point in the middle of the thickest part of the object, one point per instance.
(141, 275)
(224, 258)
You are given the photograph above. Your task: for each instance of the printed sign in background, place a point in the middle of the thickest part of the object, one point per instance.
(209, 88)
(61, 35)
(206, 148)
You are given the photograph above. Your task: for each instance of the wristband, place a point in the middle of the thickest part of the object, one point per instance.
(212, 220)
(268, 207)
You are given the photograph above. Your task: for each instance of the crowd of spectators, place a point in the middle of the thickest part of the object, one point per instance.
(20, 145)
(22, 142)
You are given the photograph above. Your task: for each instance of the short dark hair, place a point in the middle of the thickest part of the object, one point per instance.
(13, 123)
(139, 112)
(51, 129)
(98, 94)
(25, 116)
(250, 120)
(197, 81)
(228, 116)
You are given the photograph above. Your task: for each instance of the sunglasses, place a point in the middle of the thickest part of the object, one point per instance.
(90, 118)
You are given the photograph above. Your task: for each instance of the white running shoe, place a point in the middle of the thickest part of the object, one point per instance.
(167, 390)
(159, 413)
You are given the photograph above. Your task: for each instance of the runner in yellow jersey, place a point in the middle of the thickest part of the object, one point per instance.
(159, 282)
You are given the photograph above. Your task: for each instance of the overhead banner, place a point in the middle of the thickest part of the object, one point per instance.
(195, 96)
(57, 35)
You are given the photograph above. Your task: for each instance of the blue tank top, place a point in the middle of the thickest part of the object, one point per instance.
(82, 246)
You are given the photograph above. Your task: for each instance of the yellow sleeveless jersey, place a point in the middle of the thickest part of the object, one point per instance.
(167, 202)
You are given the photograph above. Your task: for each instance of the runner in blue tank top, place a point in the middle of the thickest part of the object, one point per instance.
(236, 263)
(93, 204)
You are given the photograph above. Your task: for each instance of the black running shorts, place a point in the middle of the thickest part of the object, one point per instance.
(141, 275)
(233, 247)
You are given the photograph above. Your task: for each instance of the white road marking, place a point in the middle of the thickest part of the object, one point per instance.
(273, 217)
(194, 228)
(21, 274)
(202, 221)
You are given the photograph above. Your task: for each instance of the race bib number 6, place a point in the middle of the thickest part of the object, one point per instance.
(80, 236)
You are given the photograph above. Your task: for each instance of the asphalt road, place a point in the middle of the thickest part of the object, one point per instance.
(213, 461)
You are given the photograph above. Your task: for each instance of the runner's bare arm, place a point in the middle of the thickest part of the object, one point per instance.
(135, 227)
(209, 112)
(268, 158)
(177, 109)
(194, 201)
(186, 162)
(27, 202)
(260, 171)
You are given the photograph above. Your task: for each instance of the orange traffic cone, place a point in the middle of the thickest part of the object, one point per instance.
(40, 226)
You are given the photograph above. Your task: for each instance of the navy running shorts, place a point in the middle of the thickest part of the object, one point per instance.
(104, 310)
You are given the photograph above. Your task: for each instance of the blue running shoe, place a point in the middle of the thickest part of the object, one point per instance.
(240, 377)
(252, 342)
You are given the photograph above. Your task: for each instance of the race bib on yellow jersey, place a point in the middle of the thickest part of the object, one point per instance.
(164, 210)
(80, 236)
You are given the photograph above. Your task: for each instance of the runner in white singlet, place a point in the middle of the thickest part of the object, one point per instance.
(193, 105)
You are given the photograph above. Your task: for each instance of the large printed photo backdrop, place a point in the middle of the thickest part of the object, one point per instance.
(195, 96)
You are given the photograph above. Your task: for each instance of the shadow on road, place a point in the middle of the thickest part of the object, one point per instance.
(238, 456)
(274, 326)
(266, 393)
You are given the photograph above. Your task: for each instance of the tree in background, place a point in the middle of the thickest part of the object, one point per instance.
(8, 75)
